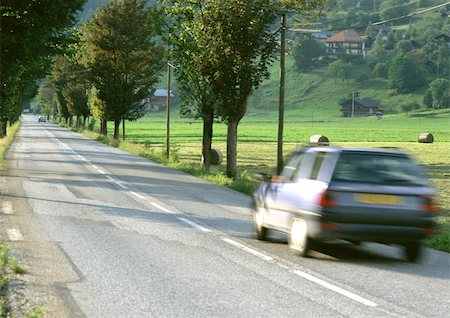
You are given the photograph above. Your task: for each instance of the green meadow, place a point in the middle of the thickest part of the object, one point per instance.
(257, 146)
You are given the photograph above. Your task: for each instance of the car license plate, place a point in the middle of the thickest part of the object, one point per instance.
(386, 199)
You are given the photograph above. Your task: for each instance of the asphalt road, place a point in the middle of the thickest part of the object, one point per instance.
(109, 234)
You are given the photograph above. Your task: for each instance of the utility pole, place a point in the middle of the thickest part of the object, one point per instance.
(169, 67)
(353, 104)
(281, 96)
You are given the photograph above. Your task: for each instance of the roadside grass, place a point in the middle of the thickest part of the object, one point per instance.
(5, 142)
(257, 148)
(8, 268)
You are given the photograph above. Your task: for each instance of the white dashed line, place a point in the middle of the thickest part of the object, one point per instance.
(335, 288)
(14, 235)
(137, 195)
(156, 205)
(248, 249)
(194, 225)
(7, 207)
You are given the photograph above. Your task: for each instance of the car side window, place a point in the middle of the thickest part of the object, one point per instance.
(288, 171)
(317, 164)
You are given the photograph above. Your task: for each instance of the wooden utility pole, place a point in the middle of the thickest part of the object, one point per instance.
(281, 97)
(169, 66)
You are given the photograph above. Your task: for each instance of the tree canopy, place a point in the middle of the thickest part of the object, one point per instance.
(124, 59)
(31, 32)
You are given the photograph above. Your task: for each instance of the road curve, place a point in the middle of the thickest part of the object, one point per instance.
(109, 234)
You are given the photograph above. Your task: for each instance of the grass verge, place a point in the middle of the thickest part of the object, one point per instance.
(5, 142)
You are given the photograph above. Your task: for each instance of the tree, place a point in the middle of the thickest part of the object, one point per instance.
(404, 74)
(46, 96)
(409, 107)
(240, 46)
(428, 99)
(71, 81)
(338, 69)
(440, 90)
(183, 33)
(118, 48)
(32, 31)
(391, 9)
(306, 51)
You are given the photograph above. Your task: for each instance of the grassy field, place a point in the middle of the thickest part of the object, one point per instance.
(257, 147)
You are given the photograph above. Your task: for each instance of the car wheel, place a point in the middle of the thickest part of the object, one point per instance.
(258, 220)
(298, 237)
(412, 251)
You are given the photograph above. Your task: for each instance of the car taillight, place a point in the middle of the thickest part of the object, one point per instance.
(327, 199)
(428, 204)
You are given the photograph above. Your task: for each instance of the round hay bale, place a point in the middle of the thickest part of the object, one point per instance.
(318, 140)
(216, 157)
(426, 138)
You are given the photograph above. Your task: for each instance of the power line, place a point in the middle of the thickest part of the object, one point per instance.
(413, 14)
(376, 23)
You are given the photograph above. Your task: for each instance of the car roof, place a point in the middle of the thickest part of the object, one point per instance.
(385, 151)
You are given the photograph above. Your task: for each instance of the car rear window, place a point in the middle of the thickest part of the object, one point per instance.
(377, 168)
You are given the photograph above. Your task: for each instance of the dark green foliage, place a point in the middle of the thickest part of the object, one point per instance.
(380, 70)
(428, 98)
(404, 74)
(32, 31)
(306, 53)
(124, 60)
(440, 90)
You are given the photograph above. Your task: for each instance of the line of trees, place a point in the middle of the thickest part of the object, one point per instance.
(219, 59)
(221, 51)
(31, 33)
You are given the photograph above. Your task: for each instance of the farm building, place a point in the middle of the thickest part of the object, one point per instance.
(158, 100)
(362, 107)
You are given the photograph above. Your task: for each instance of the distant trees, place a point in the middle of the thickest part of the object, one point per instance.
(123, 59)
(71, 82)
(404, 74)
(339, 70)
(306, 53)
(440, 91)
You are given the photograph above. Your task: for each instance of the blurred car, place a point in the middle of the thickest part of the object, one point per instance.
(356, 195)
(42, 119)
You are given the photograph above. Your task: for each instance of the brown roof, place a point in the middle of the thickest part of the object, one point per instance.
(345, 36)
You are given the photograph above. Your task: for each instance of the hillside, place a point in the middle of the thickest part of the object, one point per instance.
(313, 95)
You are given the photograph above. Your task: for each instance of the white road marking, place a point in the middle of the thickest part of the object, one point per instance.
(14, 235)
(194, 225)
(335, 288)
(7, 207)
(156, 205)
(248, 249)
(137, 195)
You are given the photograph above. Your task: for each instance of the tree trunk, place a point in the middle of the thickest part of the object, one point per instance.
(116, 129)
(123, 129)
(84, 121)
(207, 140)
(231, 148)
(3, 129)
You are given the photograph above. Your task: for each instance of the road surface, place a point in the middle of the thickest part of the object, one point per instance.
(109, 234)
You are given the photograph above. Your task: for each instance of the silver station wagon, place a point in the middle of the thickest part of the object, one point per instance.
(356, 195)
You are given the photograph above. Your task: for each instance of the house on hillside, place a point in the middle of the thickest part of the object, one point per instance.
(383, 29)
(445, 37)
(158, 100)
(362, 107)
(347, 42)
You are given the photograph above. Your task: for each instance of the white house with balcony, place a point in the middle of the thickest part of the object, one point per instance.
(345, 42)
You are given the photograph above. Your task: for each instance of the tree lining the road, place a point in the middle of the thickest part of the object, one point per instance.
(234, 46)
(117, 46)
(31, 32)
